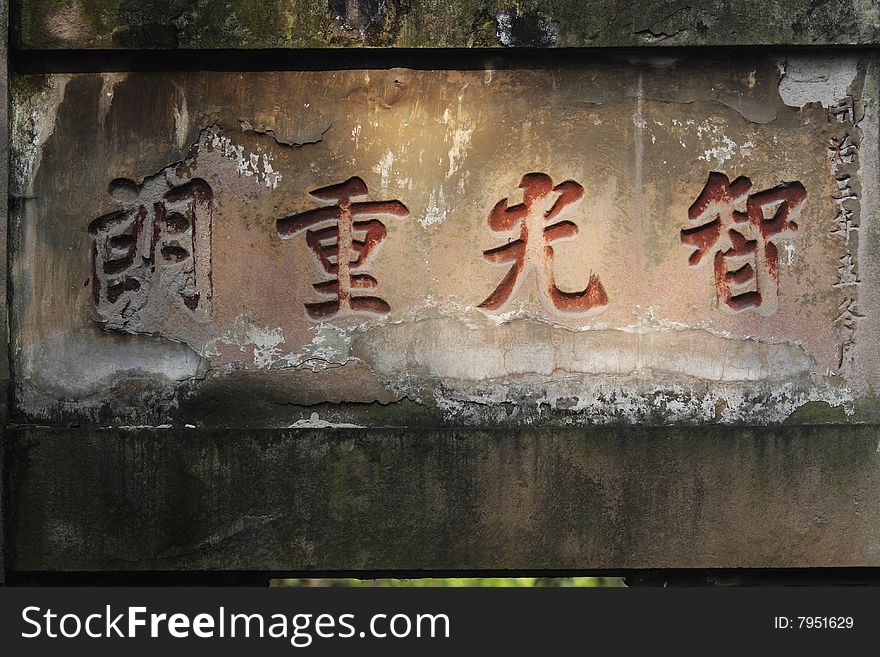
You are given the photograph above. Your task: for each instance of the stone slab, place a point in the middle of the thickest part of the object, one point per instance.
(628, 239)
(444, 500)
(274, 24)
(4, 218)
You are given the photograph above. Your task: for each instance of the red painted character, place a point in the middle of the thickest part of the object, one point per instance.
(342, 236)
(538, 230)
(746, 260)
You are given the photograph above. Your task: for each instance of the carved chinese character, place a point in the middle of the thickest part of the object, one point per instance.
(746, 259)
(844, 111)
(844, 220)
(846, 272)
(539, 228)
(154, 253)
(342, 235)
(842, 152)
(846, 324)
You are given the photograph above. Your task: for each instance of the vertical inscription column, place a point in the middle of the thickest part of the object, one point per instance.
(843, 154)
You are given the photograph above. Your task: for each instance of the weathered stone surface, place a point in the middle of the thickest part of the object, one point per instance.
(188, 262)
(422, 500)
(174, 259)
(173, 264)
(440, 24)
(4, 218)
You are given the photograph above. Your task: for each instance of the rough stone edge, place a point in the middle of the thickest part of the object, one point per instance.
(4, 217)
(243, 24)
(326, 501)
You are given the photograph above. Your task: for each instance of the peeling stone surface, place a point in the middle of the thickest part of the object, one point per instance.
(817, 78)
(517, 30)
(621, 241)
(445, 349)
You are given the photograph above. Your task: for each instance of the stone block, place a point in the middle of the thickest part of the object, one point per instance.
(624, 240)
(280, 24)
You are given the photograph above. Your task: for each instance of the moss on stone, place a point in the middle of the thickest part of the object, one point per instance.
(438, 23)
(817, 412)
(283, 500)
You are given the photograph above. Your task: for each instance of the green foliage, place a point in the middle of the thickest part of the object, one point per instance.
(458, 582)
